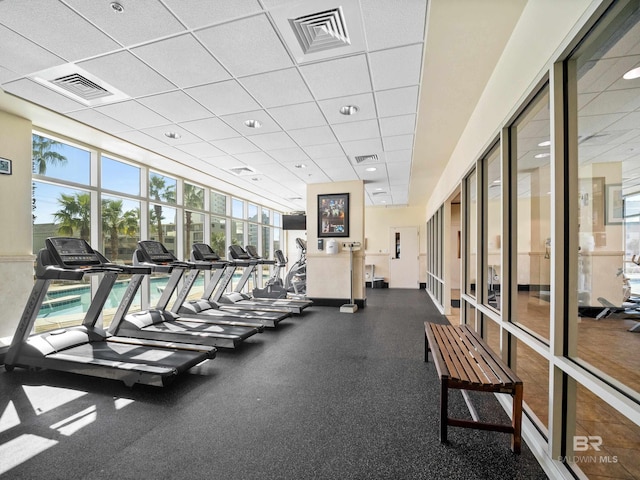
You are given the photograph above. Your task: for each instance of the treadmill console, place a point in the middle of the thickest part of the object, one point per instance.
(238, 253)
(252, 251)
(155, 252)
(70, 252)
(204, 253)
(280, 258)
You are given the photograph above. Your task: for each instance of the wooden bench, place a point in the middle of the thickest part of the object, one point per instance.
(465, 362)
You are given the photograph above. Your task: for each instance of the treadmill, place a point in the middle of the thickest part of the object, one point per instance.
(241, 300)
(205, 259)
(88, 349)
(162, 324)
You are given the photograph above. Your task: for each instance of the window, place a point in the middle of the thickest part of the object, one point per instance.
(55, 159)
(162, 225)
(492, 240)
(252, 212)
(218, 238)
(237, 208)
(471, 227)
(120, 228)
(162, 189)
(120, 177)
(193, 196)
(218, 203)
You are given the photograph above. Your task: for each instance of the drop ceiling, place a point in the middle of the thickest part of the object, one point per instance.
(201, 69)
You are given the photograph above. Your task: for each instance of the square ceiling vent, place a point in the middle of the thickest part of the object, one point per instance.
(320, 29)
(79, 85)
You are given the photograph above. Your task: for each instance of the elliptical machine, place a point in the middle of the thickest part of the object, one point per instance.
(296, 280)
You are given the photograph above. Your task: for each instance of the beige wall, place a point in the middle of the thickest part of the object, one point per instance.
(16, 260)
(378, 221)
(328, 276)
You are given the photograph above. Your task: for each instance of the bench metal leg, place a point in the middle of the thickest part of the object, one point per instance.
(426, 348)
(516, 416)
(444, 410)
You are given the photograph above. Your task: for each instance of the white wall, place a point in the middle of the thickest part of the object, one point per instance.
(16, 260)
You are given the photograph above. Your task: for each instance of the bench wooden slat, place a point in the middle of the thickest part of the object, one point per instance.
(464, 361)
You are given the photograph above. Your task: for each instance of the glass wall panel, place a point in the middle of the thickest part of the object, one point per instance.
(606, 443)
(252, 212)
(162, 189)
(276, 239)
(492, 240)
(471, 233)
(237, 208)
(237, 232)
(253, 235)
(193, 231)
(218, 240)
(533, 370)
(266, 216)
(491, 334)
(120, 228)
(56, 159)
(608, 98)
(533, 221)
(162, 226)
(193, 196)
(277, 219)
(266, 242)
(120, 176)
(218, 203)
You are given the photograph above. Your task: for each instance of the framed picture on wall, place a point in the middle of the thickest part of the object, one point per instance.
(5, 166)
(614, 208)
(333, 215)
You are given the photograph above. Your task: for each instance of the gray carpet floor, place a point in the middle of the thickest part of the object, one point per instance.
(326, 395)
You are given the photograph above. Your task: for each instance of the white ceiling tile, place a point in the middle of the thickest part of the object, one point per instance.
(312, 136)
(198, 13)
(236, 145)
(22, 55)
(126, 26)
(7, 75)
(255, 158)
(246, 46)
(378, 175)
(273, 141)
(399, 174)
(50, 23)
(158, 133)
(224, 98)
(398, 156)
(196, 65)
(334, 162)
(210, 129)
(289, 155)
(201, 150)
(298, 116)
(363, 147)
(398, 142)
(365, 103)
(268, 125)
(99, 121)
(41, 95)
(389, 24)
(128, 74)
(324, 151)
(274, 89)
(400, 125)
(397, 67)
(133, 114)
(340, 174)
(224, 163)
(399, 101)
(137, 137)
(176, 106)
(357, 130)
(348, 76)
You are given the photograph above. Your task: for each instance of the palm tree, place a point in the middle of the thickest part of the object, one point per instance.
(43, 153)
(158, 191)
(115, 223)
(75, 215)
(194, 198)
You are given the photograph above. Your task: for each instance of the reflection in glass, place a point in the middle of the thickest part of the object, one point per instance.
(533, 370)
(492, 240)
(472, 234)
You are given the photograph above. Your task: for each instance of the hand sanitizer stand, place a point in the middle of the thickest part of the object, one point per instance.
(350, 307)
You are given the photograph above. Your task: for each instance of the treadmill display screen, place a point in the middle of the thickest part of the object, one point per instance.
(204, 252)
(238, 253)
(72, 251)
(155, 251)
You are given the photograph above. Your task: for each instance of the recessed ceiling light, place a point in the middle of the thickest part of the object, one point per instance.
(542, 155)
(253, 123)
(172, 135)
(631, 74)
(371, 169)
(545, 143)
(379, 189)
(349, 110)
(255, 179)
(116, 7)
(300, 165)
(383, 201)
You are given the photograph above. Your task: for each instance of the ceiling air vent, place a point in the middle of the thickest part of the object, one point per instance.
(366, 158)
(242, 170)
(379, 193)
(321, 31)
(78, 84)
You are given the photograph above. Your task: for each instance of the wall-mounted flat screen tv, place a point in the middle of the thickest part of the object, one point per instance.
(294, 222)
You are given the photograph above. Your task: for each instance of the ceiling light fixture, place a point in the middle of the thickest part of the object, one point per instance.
(546, 143)
(371, 169)
(300, 165)
(253, 123)
(172, 135)
(542, 155)
(116, 7)
(349, 110)
(632, 74)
